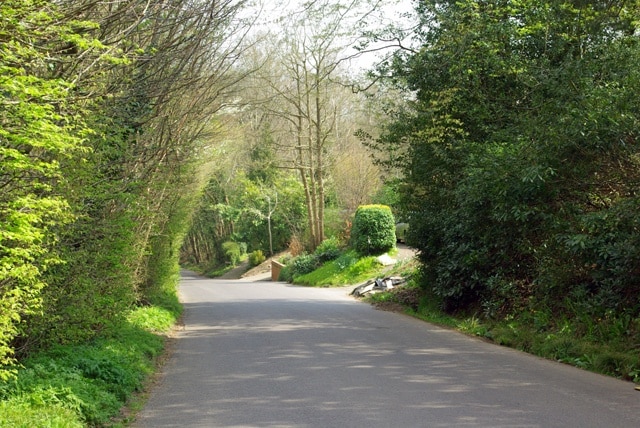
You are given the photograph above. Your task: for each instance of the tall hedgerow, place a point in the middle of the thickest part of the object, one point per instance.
(39, 130)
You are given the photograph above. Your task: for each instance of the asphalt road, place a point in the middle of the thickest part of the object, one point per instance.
(262, 354)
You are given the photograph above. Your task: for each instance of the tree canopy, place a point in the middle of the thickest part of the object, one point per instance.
(106, 112)
(519, 152)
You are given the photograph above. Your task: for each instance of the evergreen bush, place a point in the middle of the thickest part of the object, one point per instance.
(328, 250)
(303, 264)
(373, 230)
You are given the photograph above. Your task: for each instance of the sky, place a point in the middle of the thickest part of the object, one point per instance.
(390, 11)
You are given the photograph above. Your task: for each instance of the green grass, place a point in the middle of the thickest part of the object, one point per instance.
(425, 308)
(345, 270)
(16, 413)
(87, 385)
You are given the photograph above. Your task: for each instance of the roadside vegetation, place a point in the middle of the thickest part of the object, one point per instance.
(607, 346)
(78, 385)
(519, 154)
(352, 260)
(138, 135)
(108, 111)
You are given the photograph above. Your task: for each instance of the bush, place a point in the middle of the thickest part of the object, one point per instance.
(285, 274)
(328, 250)
(304, 264)
(256, 257)
(297, 266)
(373, 231)
(232, 252)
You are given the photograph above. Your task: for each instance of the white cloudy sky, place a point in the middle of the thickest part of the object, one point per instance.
(390, 11)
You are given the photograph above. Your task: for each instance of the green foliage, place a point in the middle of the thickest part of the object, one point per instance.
(373, 230)
(155, 319)
(520, 154)
(71, 386)
(286, 274)
(306, 263)
(37, 132)
(604, 345)
(256, 257)
(232, 252)
(388, 194)
(329, 266)
(347, 269)
(303, 264)
(328, 250)
(24, 413)
(95, 194)
(237, 209)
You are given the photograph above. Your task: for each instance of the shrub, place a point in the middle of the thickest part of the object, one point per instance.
(328, 250)
(304, 264)
(232, 252)
(373, 230)
(256, 257)
(285, 274)
(346, 269)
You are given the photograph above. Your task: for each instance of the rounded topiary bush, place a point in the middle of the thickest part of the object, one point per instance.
(373, 230)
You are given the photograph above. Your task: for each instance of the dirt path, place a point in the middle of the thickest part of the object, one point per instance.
(404, 252)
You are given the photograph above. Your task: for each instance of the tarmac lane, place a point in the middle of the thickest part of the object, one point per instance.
(255, 353)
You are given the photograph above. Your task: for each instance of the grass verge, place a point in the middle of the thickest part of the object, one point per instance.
(609, 347)
(87, 385)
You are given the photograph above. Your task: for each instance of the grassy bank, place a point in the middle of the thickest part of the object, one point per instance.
(87, 385)
(607, 346)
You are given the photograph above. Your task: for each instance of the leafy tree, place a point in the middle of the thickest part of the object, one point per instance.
(297, 94)
(518, 147)
(244, 210)
(38, 132)
(107, 112)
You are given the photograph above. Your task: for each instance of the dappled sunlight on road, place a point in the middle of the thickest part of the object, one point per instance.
(278, 356)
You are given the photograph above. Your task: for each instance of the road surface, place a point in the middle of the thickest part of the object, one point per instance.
(263, 354)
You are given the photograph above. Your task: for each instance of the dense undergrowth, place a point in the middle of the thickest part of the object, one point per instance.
(87, 385)
(520, 165)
